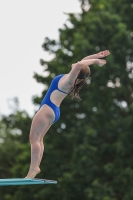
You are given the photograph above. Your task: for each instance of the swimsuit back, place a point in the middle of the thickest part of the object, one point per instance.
(46, 99)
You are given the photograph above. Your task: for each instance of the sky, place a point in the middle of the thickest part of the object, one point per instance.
(23, 26)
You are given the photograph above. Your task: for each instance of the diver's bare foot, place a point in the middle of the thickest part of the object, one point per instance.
(103, 54)
(100, 62)
(33, 172)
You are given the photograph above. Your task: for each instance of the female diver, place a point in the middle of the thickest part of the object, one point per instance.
(49, 111)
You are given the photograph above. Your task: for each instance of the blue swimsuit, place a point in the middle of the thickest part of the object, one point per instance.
(46, 100)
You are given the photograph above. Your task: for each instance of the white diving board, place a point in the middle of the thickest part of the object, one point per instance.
(25, 181)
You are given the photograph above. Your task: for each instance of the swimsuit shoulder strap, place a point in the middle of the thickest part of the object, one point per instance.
(62, 91)
(60, 76)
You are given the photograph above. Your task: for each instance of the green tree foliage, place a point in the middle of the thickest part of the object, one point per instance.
(97, 140)
(89, 150)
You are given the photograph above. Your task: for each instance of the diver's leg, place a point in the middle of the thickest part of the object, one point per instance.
(42, 146)
(39, 127)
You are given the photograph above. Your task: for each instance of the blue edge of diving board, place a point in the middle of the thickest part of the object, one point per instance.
(25, 181)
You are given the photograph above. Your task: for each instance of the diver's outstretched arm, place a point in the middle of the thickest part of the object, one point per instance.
(98, 55)
(76, 67)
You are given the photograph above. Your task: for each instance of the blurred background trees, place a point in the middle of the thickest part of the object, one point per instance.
(89, 150)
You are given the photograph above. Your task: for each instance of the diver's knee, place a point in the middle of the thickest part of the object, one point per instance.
(34, 138)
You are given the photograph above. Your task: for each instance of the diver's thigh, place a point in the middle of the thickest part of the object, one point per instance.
(39, 126)
(47, 112)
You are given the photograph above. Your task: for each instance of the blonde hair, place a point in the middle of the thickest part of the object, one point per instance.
(79, 82)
